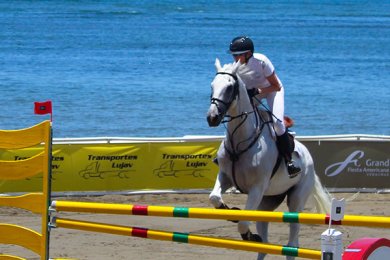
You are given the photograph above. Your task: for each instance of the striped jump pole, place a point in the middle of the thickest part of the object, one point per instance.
(187, 238)
(207, 213)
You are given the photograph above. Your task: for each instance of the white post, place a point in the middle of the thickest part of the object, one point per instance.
(331, 239)
(331, 245)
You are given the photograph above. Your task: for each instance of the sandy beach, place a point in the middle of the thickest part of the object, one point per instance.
(98, 246)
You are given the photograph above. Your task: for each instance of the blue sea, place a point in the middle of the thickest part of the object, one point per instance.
(144, 68)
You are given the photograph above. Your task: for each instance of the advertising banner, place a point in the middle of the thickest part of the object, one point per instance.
(177, 165)
(115, 167)
(352, 164)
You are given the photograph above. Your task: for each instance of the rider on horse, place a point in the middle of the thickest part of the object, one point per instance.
(261, 81)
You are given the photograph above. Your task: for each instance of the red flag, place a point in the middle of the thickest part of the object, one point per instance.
(42, 108)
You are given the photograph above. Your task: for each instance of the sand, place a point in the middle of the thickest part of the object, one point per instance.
(99, 246)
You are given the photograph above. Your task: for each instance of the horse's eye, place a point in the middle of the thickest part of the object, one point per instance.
(230, 88)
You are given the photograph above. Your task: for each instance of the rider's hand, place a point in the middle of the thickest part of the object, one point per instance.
(253, 92)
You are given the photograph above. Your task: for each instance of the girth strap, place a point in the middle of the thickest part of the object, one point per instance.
(277, 164)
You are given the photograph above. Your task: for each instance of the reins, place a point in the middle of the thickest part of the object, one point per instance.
(267, 109)
(235, 153)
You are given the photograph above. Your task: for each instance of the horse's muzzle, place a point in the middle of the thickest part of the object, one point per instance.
(214, 120)
(214, 115)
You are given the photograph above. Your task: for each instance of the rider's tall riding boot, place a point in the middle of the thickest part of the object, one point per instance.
(284, 146)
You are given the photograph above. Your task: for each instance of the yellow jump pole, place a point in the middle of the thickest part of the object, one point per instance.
(207, 213)
(187, 238)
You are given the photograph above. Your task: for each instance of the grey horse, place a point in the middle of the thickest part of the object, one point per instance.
(247, 157)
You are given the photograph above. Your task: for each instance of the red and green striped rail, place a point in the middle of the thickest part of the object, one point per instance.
(187, 238)
(207, 213)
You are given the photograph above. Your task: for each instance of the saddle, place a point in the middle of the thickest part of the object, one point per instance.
(288, 122)
(290, 148)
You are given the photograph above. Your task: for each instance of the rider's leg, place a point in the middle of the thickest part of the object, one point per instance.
(275, 101)
(284, 146)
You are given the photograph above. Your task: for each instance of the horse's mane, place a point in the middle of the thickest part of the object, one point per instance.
(227, 67)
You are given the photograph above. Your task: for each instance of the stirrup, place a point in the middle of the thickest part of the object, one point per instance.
(293, 171)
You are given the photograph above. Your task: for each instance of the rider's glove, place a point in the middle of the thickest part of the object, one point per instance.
(253, 92)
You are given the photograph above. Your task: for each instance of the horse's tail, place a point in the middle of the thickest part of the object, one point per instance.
(322, 197)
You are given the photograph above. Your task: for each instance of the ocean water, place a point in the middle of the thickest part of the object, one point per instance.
(144, 68)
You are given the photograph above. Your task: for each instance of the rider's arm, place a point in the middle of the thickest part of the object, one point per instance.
(274, 87)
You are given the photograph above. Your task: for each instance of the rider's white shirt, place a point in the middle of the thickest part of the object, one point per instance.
(255, 72)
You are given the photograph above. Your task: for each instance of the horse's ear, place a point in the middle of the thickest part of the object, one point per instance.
(235, 66)
(218, 65)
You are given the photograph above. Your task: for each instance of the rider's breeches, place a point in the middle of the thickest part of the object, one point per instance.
(275, 101)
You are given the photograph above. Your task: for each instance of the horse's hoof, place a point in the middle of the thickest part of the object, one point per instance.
(234, 208)
(256, 238)
(223, 206)
(249, 236)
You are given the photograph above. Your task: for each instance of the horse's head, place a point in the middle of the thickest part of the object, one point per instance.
(224, 91)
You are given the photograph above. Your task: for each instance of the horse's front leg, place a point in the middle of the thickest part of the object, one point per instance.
(222, 183)
(254, 198)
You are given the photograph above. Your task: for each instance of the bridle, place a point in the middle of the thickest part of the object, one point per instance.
(235, 93)
(235, 153)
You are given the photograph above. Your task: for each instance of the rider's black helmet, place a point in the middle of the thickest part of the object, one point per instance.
(241, 44)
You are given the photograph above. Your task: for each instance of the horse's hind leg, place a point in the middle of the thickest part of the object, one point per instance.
(222, 183)
(269, 203)
(296, 200)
